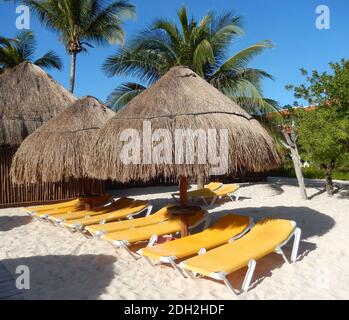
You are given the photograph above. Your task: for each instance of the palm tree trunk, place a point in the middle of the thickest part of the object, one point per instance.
(72, 71)
(329, 182)
(291, 145)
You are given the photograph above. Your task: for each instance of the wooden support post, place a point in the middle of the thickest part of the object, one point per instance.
(200, 182)
(183, 193)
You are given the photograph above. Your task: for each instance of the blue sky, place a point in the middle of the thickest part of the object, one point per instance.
(290, 24)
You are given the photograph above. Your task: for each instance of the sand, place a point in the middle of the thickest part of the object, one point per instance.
(68, 266)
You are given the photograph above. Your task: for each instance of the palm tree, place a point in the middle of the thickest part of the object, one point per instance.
(22, 48)
(83, 23)
(200, 45)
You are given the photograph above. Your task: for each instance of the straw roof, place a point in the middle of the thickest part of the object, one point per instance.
(60, 147)
(28, 98)
(182, 100)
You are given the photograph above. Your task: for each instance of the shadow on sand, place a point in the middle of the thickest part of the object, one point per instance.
(343, 193)
(312, 222)
(65, 276)
(340, 188)
(8, 223)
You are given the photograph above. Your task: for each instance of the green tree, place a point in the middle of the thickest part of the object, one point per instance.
(83, 23)
(202, 46)
(324, 132)
(14, 51)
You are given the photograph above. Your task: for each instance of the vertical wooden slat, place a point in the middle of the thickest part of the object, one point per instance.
(36, 193)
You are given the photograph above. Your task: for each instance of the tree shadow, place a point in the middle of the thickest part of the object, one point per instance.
(320, 191)
(273, 189)
(65, 277)
(312, 222)
(276, 188)
(343, 193)
(340, 188)
(8, 223)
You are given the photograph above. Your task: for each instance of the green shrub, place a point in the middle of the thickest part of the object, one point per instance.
(311, 172)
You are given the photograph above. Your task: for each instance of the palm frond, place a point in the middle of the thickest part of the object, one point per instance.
(124, 94)
(183, 18)
(50, 60)
(170, 29)
(144, 65)
(25, 44)
(106, 25)
(203, 55)
(249, 97)
(22, 48)
(242, 58)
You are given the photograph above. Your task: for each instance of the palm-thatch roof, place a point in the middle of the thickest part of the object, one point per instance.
(180, 100)
(59, 148)
(28, 98)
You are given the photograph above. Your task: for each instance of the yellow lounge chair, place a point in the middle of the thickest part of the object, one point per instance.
(123, 239)
(137, 207)
(53, 206)
(98, 230)
(207, 188)
(267, 236)
(70, 215)
(41, 213)
(227, 228)
(227, 190)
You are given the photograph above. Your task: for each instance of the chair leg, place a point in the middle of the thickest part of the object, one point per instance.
(204, 200)
(152, 240)
(188, 274)
(278, 250)
(229, 285)
(249, 275)
(213, 201)
(125, 246)
(237, 196)
(174, 265)
(297, 238)
(149, 261)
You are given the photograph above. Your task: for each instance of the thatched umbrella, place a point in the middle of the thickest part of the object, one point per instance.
(180, 100)
(59, 149)
(28, 98)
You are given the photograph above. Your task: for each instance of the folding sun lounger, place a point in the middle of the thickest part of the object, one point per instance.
(267, 236)
(125, 238)
(227, 228)
(227, 190)
(110, 206)
(53, 206)
(207, 188)
(41, 213)
(100, 229)
(135, 208)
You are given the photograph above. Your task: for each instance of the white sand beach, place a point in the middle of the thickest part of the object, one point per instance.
(68, 266)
